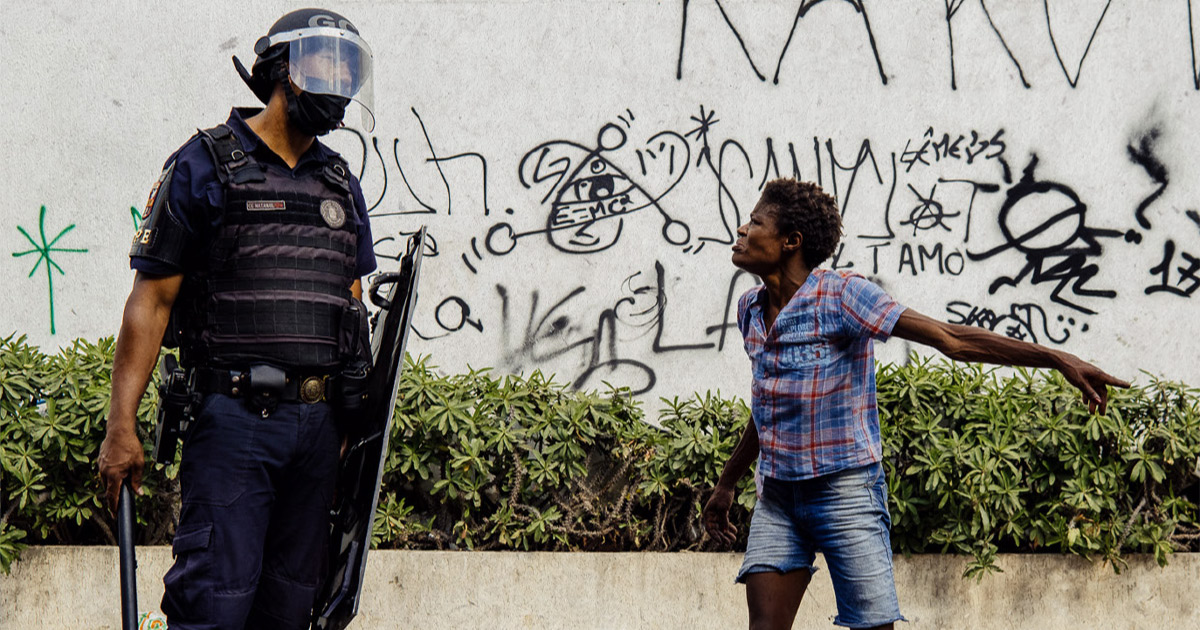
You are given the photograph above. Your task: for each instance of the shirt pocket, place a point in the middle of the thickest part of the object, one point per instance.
(800, 347)
(809, 353)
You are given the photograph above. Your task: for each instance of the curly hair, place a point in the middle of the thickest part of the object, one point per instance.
(803, 207)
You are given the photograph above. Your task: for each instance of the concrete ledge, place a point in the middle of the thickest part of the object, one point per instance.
(77, 587)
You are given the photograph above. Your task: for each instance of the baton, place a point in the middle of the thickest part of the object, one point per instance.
(125, 523)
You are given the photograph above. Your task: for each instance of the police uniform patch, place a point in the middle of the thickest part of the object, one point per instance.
(154, 191)
(333, 213)
(265, 206)
(144, 236)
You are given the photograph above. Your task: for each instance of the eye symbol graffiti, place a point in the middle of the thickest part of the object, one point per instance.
(592, 197)
(582, 204)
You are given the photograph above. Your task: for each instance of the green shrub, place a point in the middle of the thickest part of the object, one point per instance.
(522, 463)
(52, 410)
(977, 464)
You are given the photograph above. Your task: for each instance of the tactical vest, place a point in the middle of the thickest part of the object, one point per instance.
(274, 285)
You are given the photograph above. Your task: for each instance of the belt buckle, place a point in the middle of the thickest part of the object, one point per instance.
(312, 389)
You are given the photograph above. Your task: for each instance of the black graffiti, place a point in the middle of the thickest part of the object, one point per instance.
(729, 214)
(976, 187)
(1143, 155)
(1057, 249)
(1054, 43)
(592, 196)
(725, 16)
(728, 315)
(1192, 46)
(1187, 279)
(453, 313)
(430, 245)
(953, 148)
(1022, 321)
(952, 7)
(772, 163)
(659, 346)
(835, 261)
(864, 153)
(372, 147)
(1066, 13)
(928, 213)
(556, 331)
(805, 6)
(362, 168)
(428, 209)
(947, 263)
(539, 328)
(875, 247)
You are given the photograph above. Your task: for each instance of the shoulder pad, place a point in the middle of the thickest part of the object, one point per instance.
(233, 164)
(337, 173)
(161, 236)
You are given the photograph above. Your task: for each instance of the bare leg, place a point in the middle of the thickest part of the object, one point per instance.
(773, 598)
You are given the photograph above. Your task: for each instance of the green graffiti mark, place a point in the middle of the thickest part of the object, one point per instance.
(137, 218)
(44, 250)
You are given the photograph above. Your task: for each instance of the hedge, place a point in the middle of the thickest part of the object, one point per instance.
(978, 462)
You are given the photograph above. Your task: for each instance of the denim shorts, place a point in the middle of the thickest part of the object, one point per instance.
(845, 517)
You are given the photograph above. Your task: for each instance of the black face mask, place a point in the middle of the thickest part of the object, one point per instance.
(315, 114)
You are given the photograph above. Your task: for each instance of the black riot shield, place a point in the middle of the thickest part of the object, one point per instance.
(361, 469)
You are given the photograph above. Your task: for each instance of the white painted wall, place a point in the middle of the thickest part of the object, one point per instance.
(95, 96)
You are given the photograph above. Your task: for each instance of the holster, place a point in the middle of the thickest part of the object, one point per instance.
(177, 402)
(350, 386)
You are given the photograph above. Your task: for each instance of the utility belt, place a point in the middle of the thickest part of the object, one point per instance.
(262, 387)
(268, 381)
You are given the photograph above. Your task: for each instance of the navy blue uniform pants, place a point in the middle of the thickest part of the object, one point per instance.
(256, 495)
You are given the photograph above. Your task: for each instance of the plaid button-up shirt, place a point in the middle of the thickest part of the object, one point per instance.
(813, 394)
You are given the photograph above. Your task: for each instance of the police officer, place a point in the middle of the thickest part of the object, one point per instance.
(250, 259)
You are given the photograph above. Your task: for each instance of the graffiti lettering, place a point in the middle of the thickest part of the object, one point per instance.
(1073, 80)
(930, 147)
(951, 263)
(952, 7)
(1022, 321)
(801, 11)
(1186, 281)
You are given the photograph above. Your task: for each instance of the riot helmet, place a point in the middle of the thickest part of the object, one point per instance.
(322, 53)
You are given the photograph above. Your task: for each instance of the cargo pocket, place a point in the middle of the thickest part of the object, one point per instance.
(188, 585)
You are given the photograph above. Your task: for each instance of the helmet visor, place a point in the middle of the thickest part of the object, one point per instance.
(327, 60)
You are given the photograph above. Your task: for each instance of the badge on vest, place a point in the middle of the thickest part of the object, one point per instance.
(265, 206)
(333, 213)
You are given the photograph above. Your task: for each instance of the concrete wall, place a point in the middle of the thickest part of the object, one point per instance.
(77, 588)
(1028, 166)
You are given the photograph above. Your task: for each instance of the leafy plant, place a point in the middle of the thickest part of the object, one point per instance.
(980, 465)
(976, 464)
(52, 410)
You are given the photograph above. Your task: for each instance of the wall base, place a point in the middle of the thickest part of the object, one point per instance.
(77, 587)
